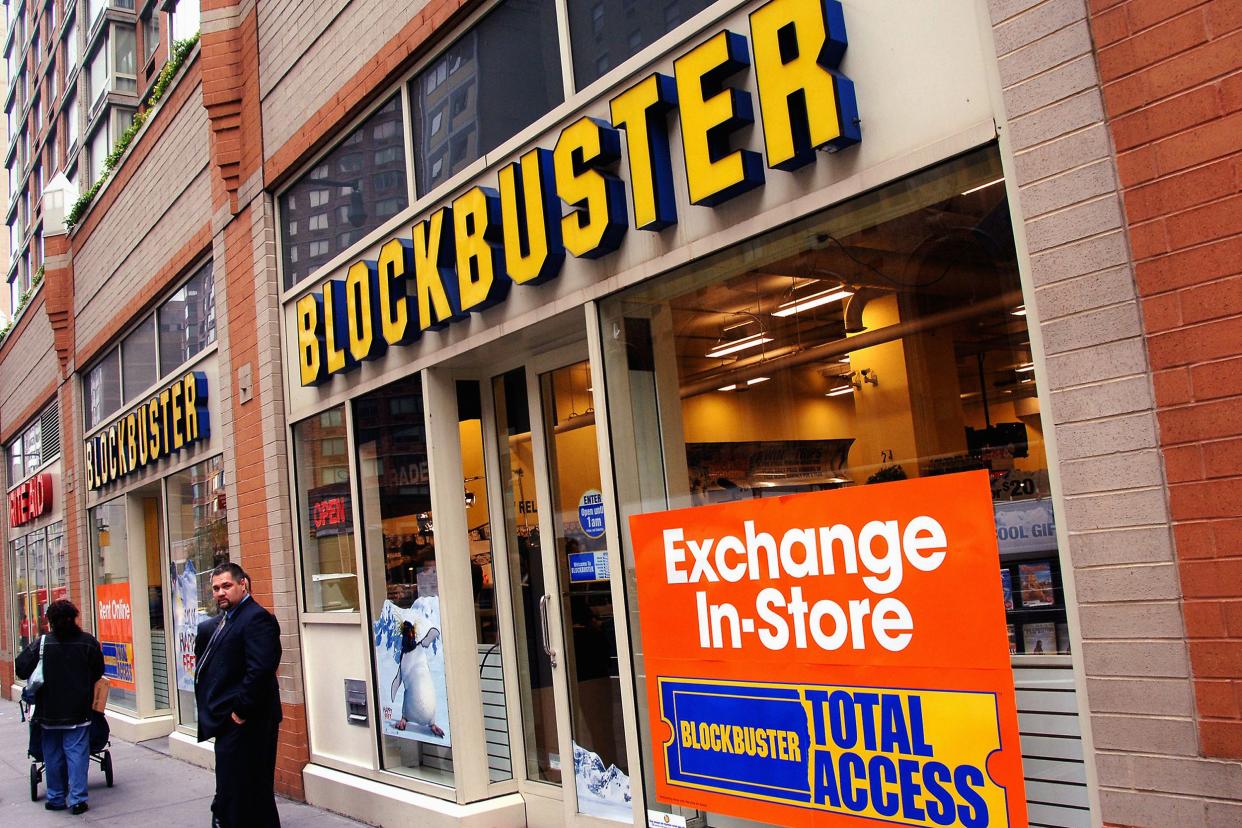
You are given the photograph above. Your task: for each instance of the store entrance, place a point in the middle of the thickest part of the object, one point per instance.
(557, 550)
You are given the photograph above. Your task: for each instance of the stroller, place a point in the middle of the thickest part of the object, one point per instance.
(99, 752)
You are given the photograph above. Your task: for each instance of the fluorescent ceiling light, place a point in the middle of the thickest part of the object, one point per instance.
(757, 380)
(732, 387)
(840, 390)
(983, 186)
(752, 341)
(1020, 310)
(813, 300)
(1025, 367)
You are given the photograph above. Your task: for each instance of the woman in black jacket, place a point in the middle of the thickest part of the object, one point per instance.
(72, 663)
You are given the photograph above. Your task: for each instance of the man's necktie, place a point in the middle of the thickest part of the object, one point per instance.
(215, 636)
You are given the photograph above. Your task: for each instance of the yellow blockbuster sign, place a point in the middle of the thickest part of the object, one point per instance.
(465, 256)
(170, 420)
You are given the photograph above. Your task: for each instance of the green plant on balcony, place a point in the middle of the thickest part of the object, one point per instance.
(176, 57)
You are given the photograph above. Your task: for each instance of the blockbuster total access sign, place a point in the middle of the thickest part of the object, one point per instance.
(837, 653)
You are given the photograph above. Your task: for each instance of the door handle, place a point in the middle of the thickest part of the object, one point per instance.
(543, 626)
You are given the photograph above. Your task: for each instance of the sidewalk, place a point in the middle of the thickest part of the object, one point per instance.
(151, 788)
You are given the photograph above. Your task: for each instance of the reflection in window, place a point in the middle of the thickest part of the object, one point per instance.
(124, 42)
(107, 525)
(400, 542)
(103, 389)
(32, 446)
(187, 320)
(27, 615)
(345, 182)
(488, 100)
(603, 33)
(57, 561)
(325, 514)
(98, 74)
(198, 538)
(138, 359)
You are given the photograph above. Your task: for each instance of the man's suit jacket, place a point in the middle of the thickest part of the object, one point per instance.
(238, 675)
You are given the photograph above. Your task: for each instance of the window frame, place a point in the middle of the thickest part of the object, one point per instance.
(161, 375)
(11, 482)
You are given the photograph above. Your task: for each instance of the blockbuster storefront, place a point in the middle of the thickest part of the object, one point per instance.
(757, 263)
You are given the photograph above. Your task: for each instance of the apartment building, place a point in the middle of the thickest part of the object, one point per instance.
(426, 314)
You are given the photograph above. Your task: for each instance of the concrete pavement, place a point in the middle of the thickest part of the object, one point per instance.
(151, 788)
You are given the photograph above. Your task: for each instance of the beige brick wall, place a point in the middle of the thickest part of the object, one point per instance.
(28, 368)
(307, 49)
(167, 198)
(1112, 482)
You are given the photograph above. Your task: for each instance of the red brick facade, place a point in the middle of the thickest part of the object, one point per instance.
(1172, 83)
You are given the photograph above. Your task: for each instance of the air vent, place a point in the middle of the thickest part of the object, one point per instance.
(50, 426)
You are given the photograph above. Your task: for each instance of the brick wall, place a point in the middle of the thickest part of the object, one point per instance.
(1106, 421)
(1172, 85)
(28, 370)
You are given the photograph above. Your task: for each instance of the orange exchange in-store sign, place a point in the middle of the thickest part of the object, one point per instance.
(464, 257)
(31, 499)
(833, 658)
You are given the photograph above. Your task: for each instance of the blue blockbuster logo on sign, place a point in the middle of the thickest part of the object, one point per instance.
(464, 257)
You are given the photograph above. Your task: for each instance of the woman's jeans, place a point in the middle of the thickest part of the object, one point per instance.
(66, 757)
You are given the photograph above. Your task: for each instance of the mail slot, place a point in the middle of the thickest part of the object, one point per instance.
(356, 701)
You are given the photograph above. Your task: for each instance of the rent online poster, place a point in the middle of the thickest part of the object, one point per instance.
(116, 633)
(833, 658)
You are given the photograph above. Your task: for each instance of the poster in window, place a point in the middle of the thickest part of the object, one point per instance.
(116, 633)
(1013, 639)
(409, 661)
(1036, 584)
(1007, 588)
(186, 617)
(1039, 639)
(795, 646)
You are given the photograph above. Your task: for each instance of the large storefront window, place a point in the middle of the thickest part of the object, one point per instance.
(409, 652)
(40, 564)
(114, 616)
(882, 340)
(198, 536)
(322, 465)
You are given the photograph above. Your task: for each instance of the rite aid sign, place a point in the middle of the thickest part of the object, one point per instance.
(31, 499)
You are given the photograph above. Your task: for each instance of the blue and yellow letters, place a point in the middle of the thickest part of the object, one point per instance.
(362, 311)
(530, 212)
(463, 258)
(642, 111)
(481, 277)
(169, 420)
(396, 262)
(804, 102)
(710, 113)
(309, 314)
(435, 284)
(597, 223)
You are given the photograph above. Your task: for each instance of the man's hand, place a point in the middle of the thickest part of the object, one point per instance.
(237, 719)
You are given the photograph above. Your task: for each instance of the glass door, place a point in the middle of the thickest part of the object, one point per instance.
(558, 551)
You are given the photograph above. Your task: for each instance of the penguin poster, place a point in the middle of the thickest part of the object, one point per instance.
(409, 656)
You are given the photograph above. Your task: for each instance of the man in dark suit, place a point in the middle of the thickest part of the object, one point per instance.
(236, 656)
